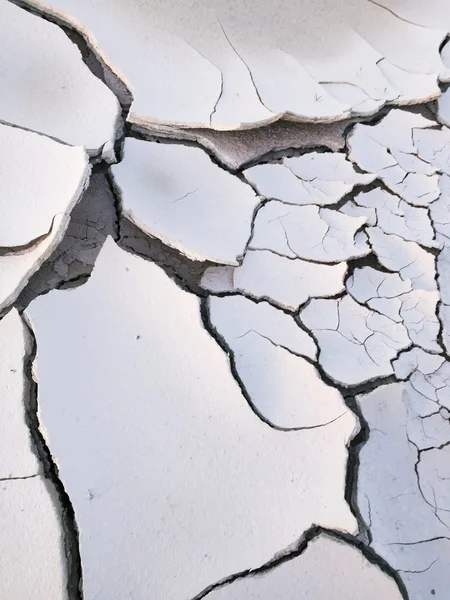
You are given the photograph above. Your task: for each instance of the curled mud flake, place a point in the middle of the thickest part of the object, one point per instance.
(36, 203)
(161, 202)
(67, 102)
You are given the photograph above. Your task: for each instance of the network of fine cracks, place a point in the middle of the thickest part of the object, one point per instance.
(99, 214)
(187, 274)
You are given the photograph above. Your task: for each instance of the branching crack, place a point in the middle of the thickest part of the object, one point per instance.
(187, 274)
(244, 63)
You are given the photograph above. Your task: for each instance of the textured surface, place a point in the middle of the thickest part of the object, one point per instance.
(204, 437)
(224, 360)
(33, 566)
(399, 502)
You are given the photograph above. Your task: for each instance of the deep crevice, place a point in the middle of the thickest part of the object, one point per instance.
(351, 476)
(232, 149)
(140, 134)
(440, 335)
(71, 263)
(185, 272)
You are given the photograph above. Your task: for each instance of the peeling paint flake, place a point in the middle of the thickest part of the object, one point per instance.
(381, 291)
(233, 314)
(439, 211)
(31, 197)
(443, 105)
(236, 149)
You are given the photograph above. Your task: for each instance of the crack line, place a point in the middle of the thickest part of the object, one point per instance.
(51, 473)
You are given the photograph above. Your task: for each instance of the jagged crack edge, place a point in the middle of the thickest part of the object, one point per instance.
(51, 472)
(93, 61)
(313, 532)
